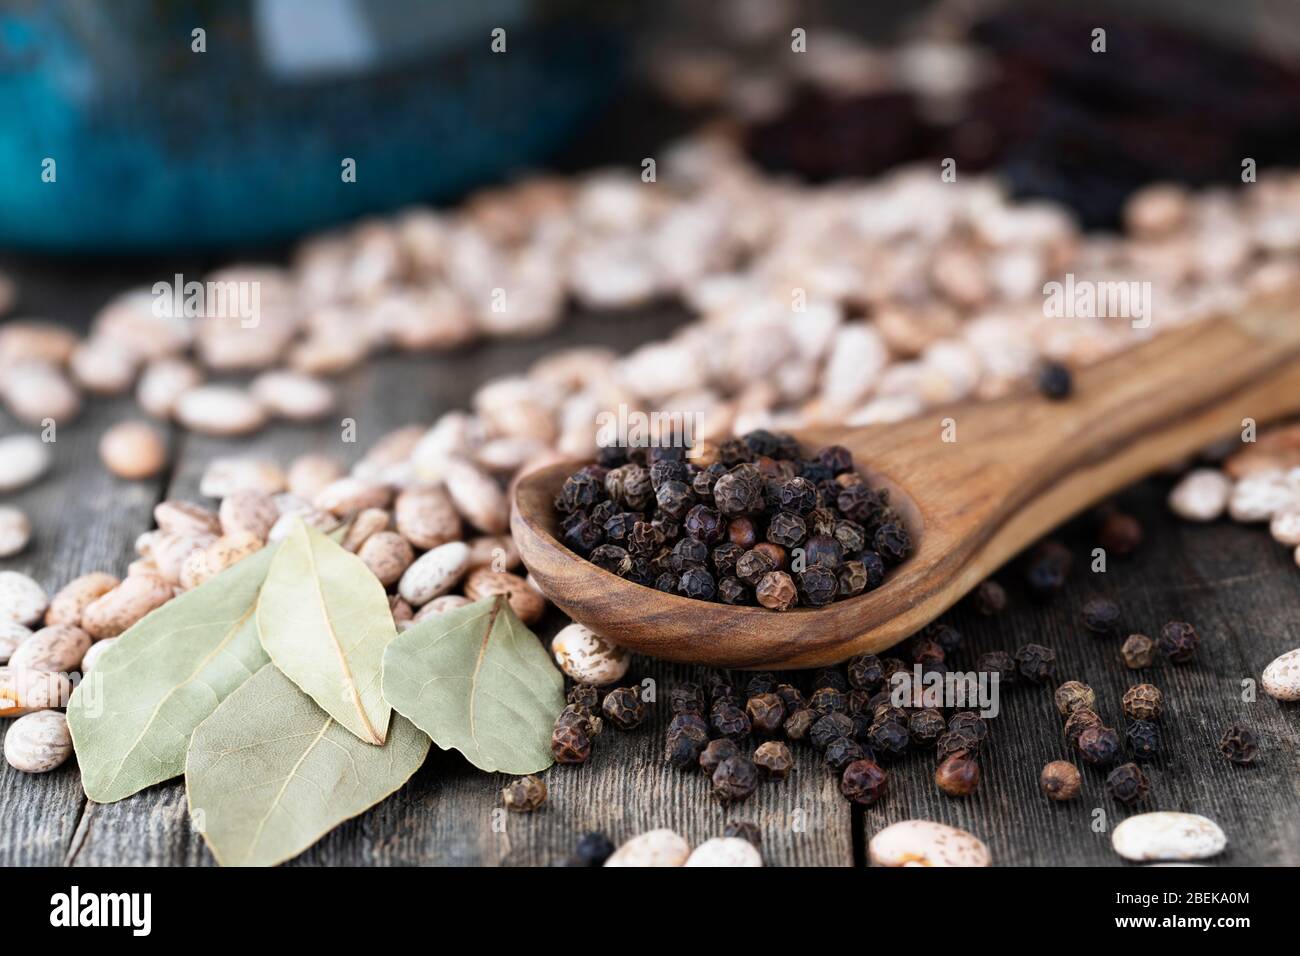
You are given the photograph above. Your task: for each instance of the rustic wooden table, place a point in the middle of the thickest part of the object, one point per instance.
(1241, 590)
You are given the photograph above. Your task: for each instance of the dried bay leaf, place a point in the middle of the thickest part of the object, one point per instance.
(477, 680)
(269, 773)
(132, 716)
(324, 620)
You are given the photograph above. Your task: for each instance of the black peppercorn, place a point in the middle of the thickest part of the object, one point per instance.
(724, 558)
(947, 637)
(787, 529)
(1036, 663)
(585, 695)
(624, 708)
(889, 738)
(1101, 616)
(1060, 780)
(857, 503)
(667, 582)
(703, 482)
(1127, 783)
(705, 524)
(817, 585)
(686, 699)
(990, 599)
(570, 744)
(579, 716)
(760, 682)
(829, 700)
(737, 493)
(689, 722)
(1099, 746)
(967, 721)
(1139, 651)
(753, 566)
(852, 578)
(1048, 568)
(798, 496)
(698, 584)
(892, 543)
(715, 752)
(774, 759)
(1077, 723)
(1120, 534)
(841, 752)
(926, 726)
(998, 663)
(612, 558)
(792, 697)
(663, 471)
(730, 721)
(823, 551)
(958, 775)
(744, 830)
(1055, 381)
(956, 741)
(684, 746)
(865, 672)
(850, 536)
(1239, 744)
(674, 498)
(1072, 696)
(776, 591)
(524, 794)
(733, 591)
(689, 553)
(1178, 641)
(832, 677)
(827, 728)
(592, 849)
(742, 533)
(836, 458)
(799, 724)
(579, 492)
(1143, 739)
(1143, 702)
(735, 779)
(864, 782)
(923, 651)
(766, 713)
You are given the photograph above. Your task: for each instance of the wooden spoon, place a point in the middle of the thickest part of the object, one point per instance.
(1019, 467)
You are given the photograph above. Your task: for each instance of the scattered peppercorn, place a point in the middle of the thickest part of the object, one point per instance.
(958, 775)
(745, 830)
(1060, 780)
(817, 585)
(683, 748)
(570, 744)
(926, 726)
(1138, 652)
(829, 727)
(730, 721)
(792, 697)
(1127, 783)
(799, 724)
(998, 663)
(584, 695)
(947, 637)
(1101, 616)
(865, 672)
(967, 721)
(524, 794)
(686, 699)
(832, 677)
(1055, 381)
(1239, 744)
(1143, 702)
(1143, 739)
(774, 758)
(1120, 534)
(1178, 641)
(1048, 568)
(766, 713)
(956, 741)
(1099, 746)
(841, 752)
(735, 779)
(1077, 723)
(888, 738)
(829, 700)
(1072, 696)
(1036, 663)
(990, 599)
(624, 708)
(592, 849)
(581, 717)
(715, 752)
(864, 782)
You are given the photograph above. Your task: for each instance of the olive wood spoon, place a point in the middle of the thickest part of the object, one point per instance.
(1020, 466)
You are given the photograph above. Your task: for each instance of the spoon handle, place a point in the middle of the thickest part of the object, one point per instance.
(1020, 466)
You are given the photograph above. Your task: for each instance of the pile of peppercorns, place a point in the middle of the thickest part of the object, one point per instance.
(849, 717)
(746, 521)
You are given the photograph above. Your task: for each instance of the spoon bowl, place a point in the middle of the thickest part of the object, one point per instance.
(974, 483)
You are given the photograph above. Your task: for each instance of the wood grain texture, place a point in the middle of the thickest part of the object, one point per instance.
(1231, 581)
(1007, 472)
